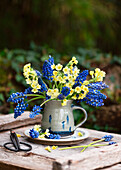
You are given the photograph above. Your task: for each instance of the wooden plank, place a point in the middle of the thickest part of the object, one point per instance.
(21, 160)
(92, 158)
(39, 158)
(114, 167)
(8, 121)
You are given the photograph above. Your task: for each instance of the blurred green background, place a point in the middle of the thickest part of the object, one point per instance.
(88, 29)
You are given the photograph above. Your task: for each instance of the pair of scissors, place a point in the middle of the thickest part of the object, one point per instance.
(16, 144)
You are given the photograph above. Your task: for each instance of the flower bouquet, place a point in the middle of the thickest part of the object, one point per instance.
(60, 83)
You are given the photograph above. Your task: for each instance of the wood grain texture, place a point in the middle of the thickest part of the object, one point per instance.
(8, 121)
(105, 157)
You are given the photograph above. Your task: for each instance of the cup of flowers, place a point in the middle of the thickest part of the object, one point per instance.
(58, 86)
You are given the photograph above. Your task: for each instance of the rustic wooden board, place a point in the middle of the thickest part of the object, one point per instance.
(8, 121)
(93, 158)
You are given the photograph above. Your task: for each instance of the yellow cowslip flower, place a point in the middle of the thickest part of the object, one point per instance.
(28, 81)
(81, 96)
(71, 92)
(65, 77)
(53, 66)
(86, 82)
(86, 89)
(48, 148)
(64, 102)
(68, 85)
(71, 67)
(38, 86)
(63, 81)
(92, 73)
(18, 135)
(99, 74)
(47, 132)
(37, 127)
(78, 89)
(55, 73)
(74, 97)
(49, 92)
(27, 73)
(34, 90)
(58, 67)
(53, 93)
(66, 70)
(54, 147)
(41, 136)
(33, 85)
(80, 134)
(69, 77)
(74, 60)
(26, 67)
(59, 78)
(97, 70)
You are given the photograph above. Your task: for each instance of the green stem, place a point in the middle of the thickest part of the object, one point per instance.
(92, 144)
(45, 102)
(97, 141)
(34, 99)
(83, 146)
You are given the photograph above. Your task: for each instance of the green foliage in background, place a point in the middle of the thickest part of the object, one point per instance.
(12, 62)
(63, 25)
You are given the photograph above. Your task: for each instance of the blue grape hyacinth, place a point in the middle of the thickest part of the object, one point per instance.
(35, 111)
(33, 133)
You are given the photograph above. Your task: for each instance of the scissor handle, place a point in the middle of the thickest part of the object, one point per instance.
(26, 144)
(19, 149)
(5, 145)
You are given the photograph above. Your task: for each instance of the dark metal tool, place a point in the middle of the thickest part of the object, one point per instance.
(17, 146)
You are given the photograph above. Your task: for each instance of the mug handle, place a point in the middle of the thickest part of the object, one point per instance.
(85, 114)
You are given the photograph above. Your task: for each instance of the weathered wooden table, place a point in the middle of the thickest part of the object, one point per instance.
(104, 157)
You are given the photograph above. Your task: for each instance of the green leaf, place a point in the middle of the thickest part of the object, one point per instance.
(2, 97)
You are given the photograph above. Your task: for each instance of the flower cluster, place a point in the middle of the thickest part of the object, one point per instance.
(58, 82)
(37, 132)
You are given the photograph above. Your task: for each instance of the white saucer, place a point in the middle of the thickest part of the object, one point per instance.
(73, 139)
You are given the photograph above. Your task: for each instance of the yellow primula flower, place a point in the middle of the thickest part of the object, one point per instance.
(48, 148)
(34, 90)
(38, 86)
(26, 67)
(99, 74)
(18, 135)
(92, 73)
(81, 96)
(66, 70)
(53, 66)
(71, 67)
(74, 60)
(65, 77)
(59, 78)
(54, 147)
(80, 134)
(86, 82)
(37, 127)
(59, 67)
(69, 85)
(41, 136)
(55, 73)
(64, 102)
(33, 85)
(71, 92)
(74, 97)
(49, 92)
(28, 81)
(47, 132)
(78, 89)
